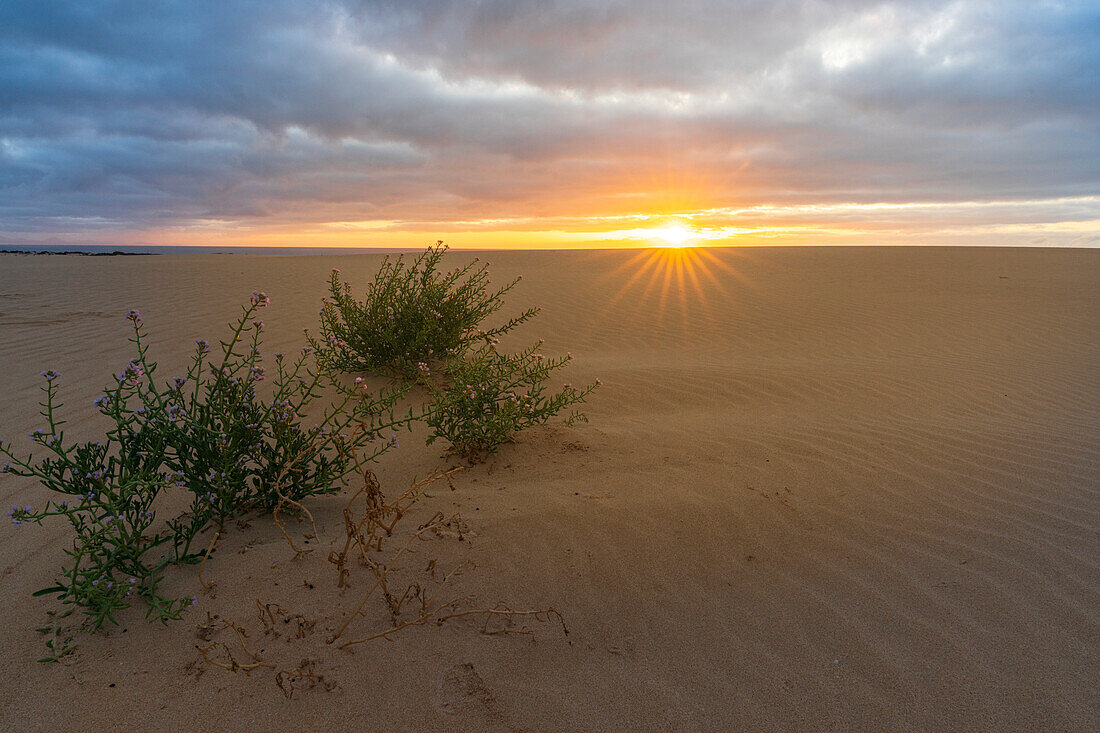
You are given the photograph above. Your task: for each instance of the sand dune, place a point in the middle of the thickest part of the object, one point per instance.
(821, 488)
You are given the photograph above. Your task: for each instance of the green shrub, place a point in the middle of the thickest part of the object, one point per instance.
(488, 397)
(111, 489)
(412, 315)
(209, 433)
(235, 451)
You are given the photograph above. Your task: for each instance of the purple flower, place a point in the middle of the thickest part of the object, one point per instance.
(134, 316)
(49, 375)
(132, 373)
(259, 299)
(204, 348)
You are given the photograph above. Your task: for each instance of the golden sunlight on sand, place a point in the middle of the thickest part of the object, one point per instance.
(676, 273)
(821, 488)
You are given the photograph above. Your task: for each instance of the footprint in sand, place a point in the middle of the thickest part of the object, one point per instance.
(463, 691)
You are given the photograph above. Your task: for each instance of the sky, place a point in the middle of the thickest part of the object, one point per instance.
(546, 123)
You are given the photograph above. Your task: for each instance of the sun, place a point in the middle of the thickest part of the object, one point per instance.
(672, 235)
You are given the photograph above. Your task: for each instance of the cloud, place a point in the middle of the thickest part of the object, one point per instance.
(124, 116)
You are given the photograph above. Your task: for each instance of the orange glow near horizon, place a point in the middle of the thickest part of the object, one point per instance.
(682, 279)
(672, 236)
(664, 221)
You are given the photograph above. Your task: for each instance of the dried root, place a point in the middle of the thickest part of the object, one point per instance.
(366, 535)
(208, 588)
(304, 676)
(205, 630)
(410, 591)
(285, 502)
(231, 664)
(379, 519)
(272, 613)
(455, 609)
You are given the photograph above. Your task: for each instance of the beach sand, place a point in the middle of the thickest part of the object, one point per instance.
(821, 488)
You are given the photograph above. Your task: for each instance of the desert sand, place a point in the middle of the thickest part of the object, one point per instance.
(820, 488)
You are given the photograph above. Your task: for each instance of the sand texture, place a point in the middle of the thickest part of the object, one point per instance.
(821, 489)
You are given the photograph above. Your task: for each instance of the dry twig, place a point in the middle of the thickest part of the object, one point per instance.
(305, 673)
(367, 534)
(233, 665)
(208, 588)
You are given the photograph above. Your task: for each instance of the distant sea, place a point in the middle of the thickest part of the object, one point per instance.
(128, 249)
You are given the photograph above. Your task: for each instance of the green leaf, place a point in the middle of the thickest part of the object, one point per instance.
(48, 591)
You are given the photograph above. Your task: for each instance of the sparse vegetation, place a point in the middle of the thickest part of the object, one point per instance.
(423, 600)
(412, 315)
(386, 583)
(209, 433)
(489, 397)
(230, 436)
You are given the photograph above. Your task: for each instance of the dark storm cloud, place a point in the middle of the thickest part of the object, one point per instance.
(141, 114)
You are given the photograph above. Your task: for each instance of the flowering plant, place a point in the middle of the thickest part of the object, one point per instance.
(110, 488)
(209, 433)
(489, 397)
(412, 315)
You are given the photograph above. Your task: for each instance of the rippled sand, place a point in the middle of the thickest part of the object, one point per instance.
(821, 488)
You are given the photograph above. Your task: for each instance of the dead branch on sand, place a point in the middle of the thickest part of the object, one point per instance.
(366, 535)
(304, 676)
(286, 501)
(232, 665)
(208, 588)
